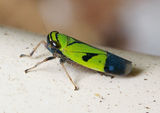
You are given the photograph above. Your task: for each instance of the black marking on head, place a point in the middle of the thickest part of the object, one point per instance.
(54, 43)
(56, 35)
(88, 56)
(74, 43)
(48, 41)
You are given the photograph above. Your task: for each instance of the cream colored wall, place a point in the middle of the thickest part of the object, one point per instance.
(141, 22)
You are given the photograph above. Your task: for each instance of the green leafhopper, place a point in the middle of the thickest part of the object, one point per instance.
(69, 49)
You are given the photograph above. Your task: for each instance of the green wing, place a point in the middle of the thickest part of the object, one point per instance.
(85, 54)
(90, 56)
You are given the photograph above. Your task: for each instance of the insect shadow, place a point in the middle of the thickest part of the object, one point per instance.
(135, 72)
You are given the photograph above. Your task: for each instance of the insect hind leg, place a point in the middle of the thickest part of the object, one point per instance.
(30, 55)
(106, 74)
(62, 61)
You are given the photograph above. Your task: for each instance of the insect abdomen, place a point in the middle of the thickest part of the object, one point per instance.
(117, 65)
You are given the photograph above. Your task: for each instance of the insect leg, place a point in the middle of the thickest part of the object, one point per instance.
(45, 60)
(102, 73)
(41, 42)
(62, 63)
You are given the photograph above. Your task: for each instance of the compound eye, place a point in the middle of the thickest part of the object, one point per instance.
(55, 44)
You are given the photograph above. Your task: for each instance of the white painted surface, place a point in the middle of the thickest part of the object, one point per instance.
(48, 90)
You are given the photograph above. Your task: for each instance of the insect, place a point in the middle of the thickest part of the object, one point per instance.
(69, 49)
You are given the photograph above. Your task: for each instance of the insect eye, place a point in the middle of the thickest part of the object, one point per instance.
(55, 44)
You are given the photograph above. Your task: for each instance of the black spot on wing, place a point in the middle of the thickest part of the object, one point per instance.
(88, 56)
(99, 61)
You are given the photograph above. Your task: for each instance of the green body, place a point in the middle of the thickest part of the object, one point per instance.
(76, 50)
(88, 56)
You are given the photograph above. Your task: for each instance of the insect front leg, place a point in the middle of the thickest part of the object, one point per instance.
(45, 60)
(30, 55)
(62, 61)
